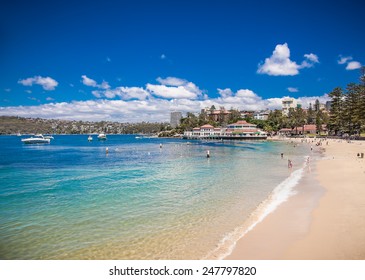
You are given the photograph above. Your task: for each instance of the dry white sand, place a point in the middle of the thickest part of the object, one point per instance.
(324, 220)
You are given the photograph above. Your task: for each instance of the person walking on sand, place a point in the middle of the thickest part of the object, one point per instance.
(290, 165)
(282, 155)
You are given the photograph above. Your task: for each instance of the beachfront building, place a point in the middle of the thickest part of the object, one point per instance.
(175, 118)
(302, 130)
(288, 103)
(238, 130)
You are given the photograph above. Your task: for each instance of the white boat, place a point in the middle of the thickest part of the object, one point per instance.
(101, 136)
(90, 138)
(37, 139)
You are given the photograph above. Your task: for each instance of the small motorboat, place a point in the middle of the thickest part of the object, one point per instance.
(90, 138)
(37, 139)
(101, 136)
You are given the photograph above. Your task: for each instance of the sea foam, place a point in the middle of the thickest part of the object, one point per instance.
(279, 195)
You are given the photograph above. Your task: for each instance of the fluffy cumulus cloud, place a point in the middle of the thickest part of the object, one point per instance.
(168, 88)
(279, 63)
(46, 82)
(244, 99)
(151, 109)
(92, 83)
(351, 64)
(125, 93)
(151, 103)
(305, 101)
(175, 88)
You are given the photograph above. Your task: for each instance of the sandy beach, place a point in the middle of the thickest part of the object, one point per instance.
(325, 219)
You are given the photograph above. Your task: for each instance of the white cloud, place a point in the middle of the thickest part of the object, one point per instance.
(170, 92)
(175, 88)
(97, 93)
(353, 65)
(88, 82)
(92, 83)
(150, 109)
(7, 89)
(279, 64)
(49, 99)
(305, 100)
(163, 56)
(292, 89)
(312, 57)
(125, 93)
(344, 59)
(171, 81)
(169, 88)
(46, 82)
(108, 59)
(134, 93)
(28, 91)
(152, 103)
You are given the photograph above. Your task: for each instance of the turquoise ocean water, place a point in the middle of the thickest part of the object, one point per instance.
(71, 200)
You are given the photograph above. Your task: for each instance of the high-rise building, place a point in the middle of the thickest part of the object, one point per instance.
(175, 118)
(288, 103)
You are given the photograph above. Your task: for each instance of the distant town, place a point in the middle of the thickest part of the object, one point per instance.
(18, 125)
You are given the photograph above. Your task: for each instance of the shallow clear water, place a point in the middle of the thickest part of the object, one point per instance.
(71, 200)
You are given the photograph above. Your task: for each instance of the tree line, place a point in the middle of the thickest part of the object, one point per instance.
(348, 108)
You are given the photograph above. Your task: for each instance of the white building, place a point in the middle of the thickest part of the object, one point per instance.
(261, 115)
(288, 103)
(238, 130)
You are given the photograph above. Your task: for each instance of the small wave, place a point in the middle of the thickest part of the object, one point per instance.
(279, 195)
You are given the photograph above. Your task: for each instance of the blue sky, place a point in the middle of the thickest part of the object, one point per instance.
(138, 60)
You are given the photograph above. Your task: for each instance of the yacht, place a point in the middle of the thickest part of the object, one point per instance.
(101, 136)
(37, 139)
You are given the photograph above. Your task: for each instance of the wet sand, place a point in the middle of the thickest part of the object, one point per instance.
(324, 220)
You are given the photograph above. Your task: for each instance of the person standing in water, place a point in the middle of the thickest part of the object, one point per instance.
(208, 154)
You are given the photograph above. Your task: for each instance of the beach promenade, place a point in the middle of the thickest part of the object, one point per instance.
(325, 219)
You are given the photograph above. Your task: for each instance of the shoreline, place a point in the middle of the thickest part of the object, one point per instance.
(325, 219)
